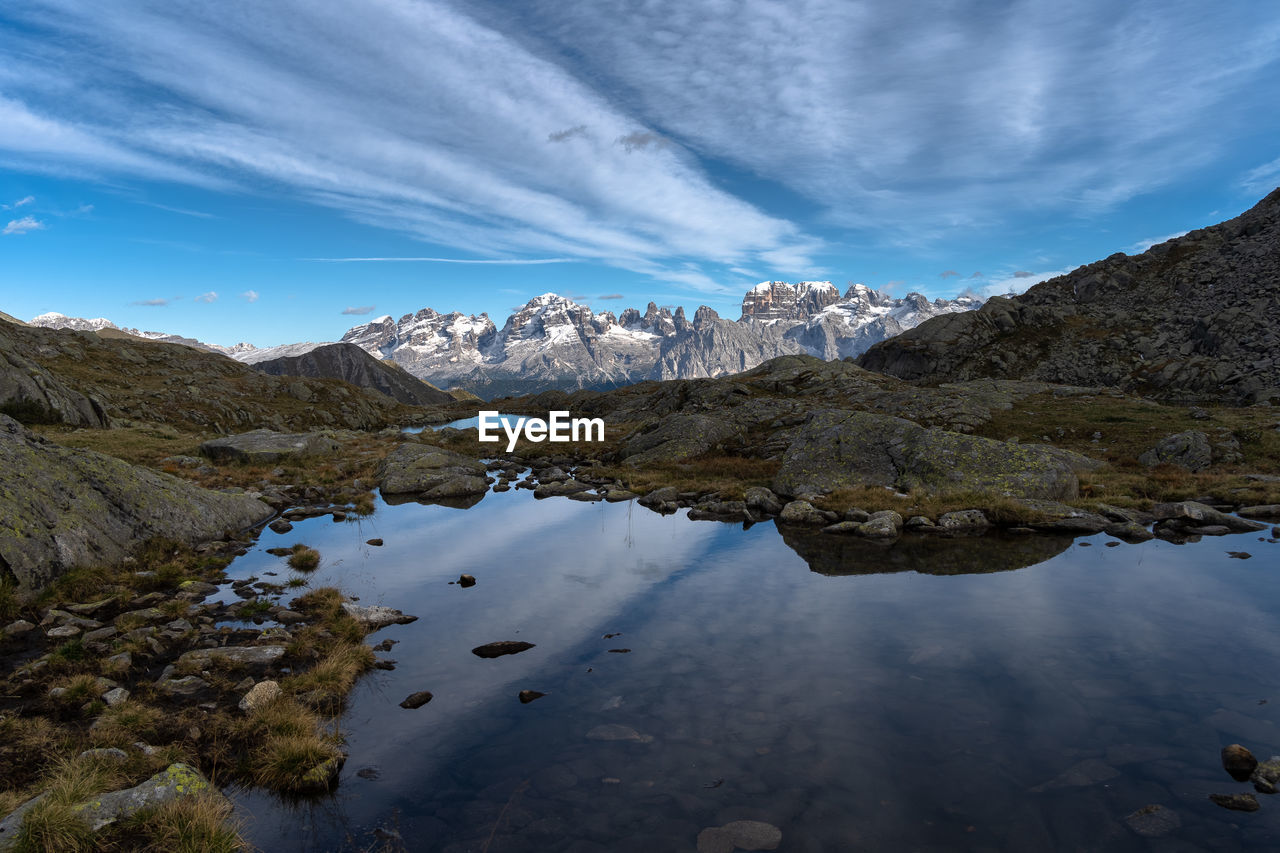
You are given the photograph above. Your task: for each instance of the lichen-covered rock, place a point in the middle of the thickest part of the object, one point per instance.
(172, 783)
(420, 469)
(63, 508)
(801, 512)
(1198, 513)
(848, 449)
(677, 437)
(964, 519)
(375, 616)
(1189, 450)
(260, 658)
(265, 447)
(762, 501)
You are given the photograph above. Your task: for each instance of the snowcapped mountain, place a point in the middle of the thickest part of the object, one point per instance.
(54, 320)
(553, 342)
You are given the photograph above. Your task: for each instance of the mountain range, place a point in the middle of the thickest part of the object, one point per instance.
(552, 342)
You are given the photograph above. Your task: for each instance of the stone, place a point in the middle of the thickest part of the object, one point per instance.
(376, 543)
(1058, 517)
(109, 753)
(678, 436)
(1263, 511)
(1129, 531)
(416, 700)
(801, 512)
(62, 632)
(281, 525)
(1266, 775)
(376, 617)
(466, 580)
(176, 781)
(835, 450)
(191, 687)
(423, 470)
(500, 648)
(259, 695)
(666, 494)
(1236, 802)
(881, 525)
(762, 501)
(1190, 450)
(919, 522)
(961, 520)
(289, 617)
(267, 447)
(18, 628)
(1201, 514)
(527, 696)
(115, 696)
(81, 509)
(1238, 761)
(259, 658)
(1153, 821)
(739, 835)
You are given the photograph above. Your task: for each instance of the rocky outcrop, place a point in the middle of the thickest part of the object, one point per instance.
(350, 363)
(62, 508)
(32, 394)
(430, 472)
(1190, 450)
(1189, 319)
(677, 437)
(837, 450)
(265, 447)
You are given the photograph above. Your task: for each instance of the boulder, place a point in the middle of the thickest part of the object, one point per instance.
(375, 617)
(678, 436)
(1238, 761)
(1190, 450)
(835, 450)
(266, 447)
(258, 658)
(419, 469)
(964, 519)
(63, 508)
(762, 501)
(259, 695)
(1052, 515)
(1201, 515)
(500, 648)
(801, 512)
(1264, 511)
(416, 700)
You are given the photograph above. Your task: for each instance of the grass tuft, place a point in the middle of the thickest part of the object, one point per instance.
(53, 823)
(199, 824)
(304, 559)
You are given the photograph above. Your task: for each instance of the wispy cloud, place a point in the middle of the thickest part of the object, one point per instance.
(154, 303)
(19, 203)
(611, 296)
(211, 296)
(977, 274)
(358, 312)
(198, 214)
(949, 274)
(249, 296)
(23, 225)
(499, 261)
(1142, 245)
(1023, 274)
(1018, 282)
(1262, 180)
(567, 133)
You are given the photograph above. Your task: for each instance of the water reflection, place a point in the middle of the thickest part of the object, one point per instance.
(921, 696)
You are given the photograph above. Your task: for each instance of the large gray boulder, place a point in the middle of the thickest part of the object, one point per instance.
(838, 449)
(1190, 450)
(432, 472)
(266, 447)
(62, 508)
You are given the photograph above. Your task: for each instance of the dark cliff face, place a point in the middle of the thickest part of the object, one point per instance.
(350, 363)
(1193, 318)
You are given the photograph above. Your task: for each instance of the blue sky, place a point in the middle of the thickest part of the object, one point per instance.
(209, 168)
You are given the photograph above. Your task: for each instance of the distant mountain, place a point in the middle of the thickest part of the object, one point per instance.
(352, 364)
(1193, 318)
(54, 320)
(554, 343)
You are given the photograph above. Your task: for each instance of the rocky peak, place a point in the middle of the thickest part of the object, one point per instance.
(769, 301)
(704, 314)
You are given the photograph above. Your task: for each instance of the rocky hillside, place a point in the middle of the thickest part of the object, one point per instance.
(80, 378)
(1191, 319)
(350, 363)
(553, 342)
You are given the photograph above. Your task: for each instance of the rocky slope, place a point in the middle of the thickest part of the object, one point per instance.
(1191, 319)
(54, 320)
(350, 363)
(80, 378)
(552, 342)
(62, 508)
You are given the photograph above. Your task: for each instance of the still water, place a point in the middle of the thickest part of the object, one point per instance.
(987, 694)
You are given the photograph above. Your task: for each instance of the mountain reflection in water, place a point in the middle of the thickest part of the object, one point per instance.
(918, 696)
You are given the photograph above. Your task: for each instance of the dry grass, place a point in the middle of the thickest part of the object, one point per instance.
(304, 559)
(283, 762)
(731, 476)
(199, 824)
(335, 672)
(53, 823)
(10, 605)
(127, 723)
(322, 603)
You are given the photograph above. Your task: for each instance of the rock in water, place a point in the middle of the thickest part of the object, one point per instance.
(77, 508)
(466, 580)
(430, 472)
(417, 700)
(1239, 762)
(739, 835)
(1153, 821)
(1236, 802)
(527, 696)
(376, 617)
(500, 648)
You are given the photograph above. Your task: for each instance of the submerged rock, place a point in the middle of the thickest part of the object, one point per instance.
(1238, 761)
(375, 617)
(1236, 802)
(416, 700)
(1153, 821)
(527, 696)
(739, 835)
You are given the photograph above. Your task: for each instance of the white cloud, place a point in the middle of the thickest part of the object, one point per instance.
(211, 296)
(1018, 282)
(153, 303)
(19, 203)
(502, 261)
(360, 311)
(249, 296)
(1142, 245)
(23, 225)
(1262, 180)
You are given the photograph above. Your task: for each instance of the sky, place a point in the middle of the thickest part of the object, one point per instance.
(277, 172)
